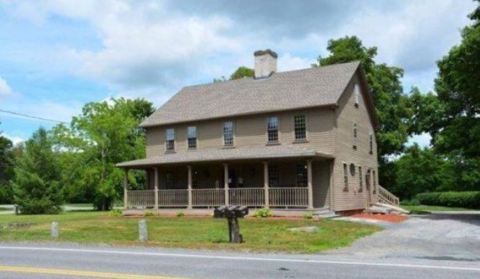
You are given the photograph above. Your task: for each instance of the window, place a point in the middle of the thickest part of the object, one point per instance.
(356, 92)
(272, 129)
(228, 133)
(345, 177)
(302, 175)
(360, 180)
(273, 176)
(192, 137)
(374, 182)
(355, 135)
(170, 139)
(370, 142)
(300, 127)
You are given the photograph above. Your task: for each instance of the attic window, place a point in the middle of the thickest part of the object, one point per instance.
(355, 135)
(356, 92)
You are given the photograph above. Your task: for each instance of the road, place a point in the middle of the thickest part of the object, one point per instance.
(75, 261)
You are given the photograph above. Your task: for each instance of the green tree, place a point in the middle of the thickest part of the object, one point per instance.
(6, 170)
(421, 170)
(457, 130)
(37, 177)
(391, 103)
(242, 72)
(104, 134)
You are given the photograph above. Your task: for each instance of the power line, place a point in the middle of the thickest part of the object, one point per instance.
(32, 116)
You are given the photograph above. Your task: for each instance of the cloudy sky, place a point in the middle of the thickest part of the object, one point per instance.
(57, 55)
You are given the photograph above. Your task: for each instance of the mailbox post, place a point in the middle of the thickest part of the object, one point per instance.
(232, 213)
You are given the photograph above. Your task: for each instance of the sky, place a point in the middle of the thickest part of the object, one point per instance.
(55, 56)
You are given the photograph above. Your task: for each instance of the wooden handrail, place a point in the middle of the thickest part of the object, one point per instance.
(385, 196)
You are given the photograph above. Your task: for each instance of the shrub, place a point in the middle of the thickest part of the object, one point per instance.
(308, 216)
(263, 213)
(451, 199)
(180, 214)
(116, 212)
(148, 214)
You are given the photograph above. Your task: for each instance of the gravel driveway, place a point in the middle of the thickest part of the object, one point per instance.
(452, 236)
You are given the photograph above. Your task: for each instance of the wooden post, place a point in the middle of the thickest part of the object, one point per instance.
(125, 190)
(310, 184)
(225, 183)
(155, 184)
(265, 184)
(189, 187)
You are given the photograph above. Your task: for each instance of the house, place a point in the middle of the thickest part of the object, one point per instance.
(296, 139)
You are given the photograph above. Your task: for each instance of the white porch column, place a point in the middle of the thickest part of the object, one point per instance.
(310, 184)
(225, 183)
(155, 184)
(265, 184)
(189, 187)
(125, 190)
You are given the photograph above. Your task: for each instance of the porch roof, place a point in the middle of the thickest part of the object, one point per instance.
(226, 154)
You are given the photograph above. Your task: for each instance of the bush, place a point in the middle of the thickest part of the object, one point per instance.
(116, 212)
(180, 214)
(263, 213)
(308, 216)
(451, 199)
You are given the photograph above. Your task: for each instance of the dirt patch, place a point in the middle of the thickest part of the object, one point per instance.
(392, 218)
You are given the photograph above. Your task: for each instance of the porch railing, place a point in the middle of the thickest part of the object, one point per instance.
(255, 197)
(208, 197)
(288, 197)
(384, 196)
(141, 198)
(172, 198)
(247, 196)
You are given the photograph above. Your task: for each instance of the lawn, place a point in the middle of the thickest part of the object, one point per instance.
(186, 232)
(425, 209)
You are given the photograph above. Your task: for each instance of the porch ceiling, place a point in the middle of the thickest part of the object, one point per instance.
(226, 154)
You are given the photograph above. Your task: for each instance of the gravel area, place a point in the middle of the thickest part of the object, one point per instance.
(452, 236)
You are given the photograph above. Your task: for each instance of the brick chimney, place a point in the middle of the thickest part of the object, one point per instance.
(265, 63)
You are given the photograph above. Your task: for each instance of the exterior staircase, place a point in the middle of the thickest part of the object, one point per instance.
(385, 197)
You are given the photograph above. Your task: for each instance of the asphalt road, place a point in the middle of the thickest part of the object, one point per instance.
(74, 261)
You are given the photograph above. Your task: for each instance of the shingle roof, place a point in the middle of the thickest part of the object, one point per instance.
(282, 91)
(216, 154)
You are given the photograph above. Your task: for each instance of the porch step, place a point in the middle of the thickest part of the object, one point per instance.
(324, 213)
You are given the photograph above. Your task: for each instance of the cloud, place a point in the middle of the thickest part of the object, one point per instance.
(5, 89)
(14, 139)
(422, 140)
(159, 46)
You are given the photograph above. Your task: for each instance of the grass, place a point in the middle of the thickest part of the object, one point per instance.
(187, 232)
(426, 209)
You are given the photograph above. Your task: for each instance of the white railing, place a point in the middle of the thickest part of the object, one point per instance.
(173, 198)
(288, 197)
(384, 196)
(208, 197)
(254, 197)
(141, 198)
(247, 196)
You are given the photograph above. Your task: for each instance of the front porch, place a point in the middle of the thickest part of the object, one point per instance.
(300, 183)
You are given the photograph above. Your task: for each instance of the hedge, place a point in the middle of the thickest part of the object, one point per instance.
(451, 199)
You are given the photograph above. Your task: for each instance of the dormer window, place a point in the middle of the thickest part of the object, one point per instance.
(228, 133)
(272, 129)
(170, 139)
